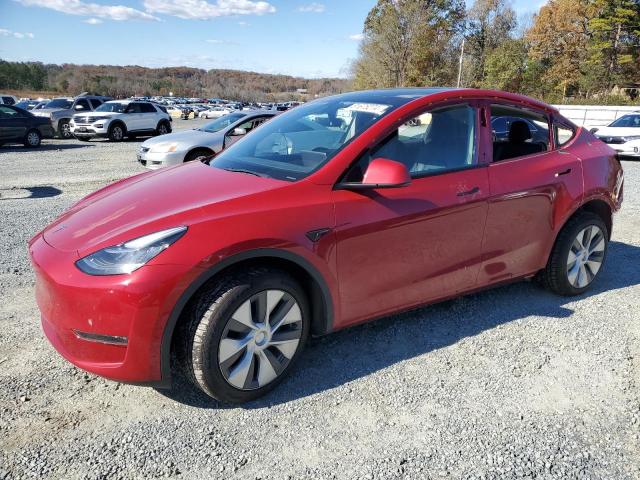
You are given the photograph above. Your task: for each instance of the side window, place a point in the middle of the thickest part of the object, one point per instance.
(6, 112)
(8, 100)
(562, 133)
(246, 125)
(259, 121)
(133, 108)
(434, 142)
(527, 132)
(95, 103)
(147, 108)
(500, 125)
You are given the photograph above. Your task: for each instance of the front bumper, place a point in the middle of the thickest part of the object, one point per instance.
(154, 160)
(98, 129)
(629, 149)
(111, 326)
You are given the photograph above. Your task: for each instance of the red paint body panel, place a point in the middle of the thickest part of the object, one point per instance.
(403, 247)
(387, 249)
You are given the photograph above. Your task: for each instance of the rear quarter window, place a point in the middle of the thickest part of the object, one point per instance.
(563, 134)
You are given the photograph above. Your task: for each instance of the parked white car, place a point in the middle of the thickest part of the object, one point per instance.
(121, 118)
(623, 135)
(215, 112)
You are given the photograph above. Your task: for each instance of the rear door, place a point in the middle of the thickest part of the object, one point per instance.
(529, 194)
(149, 116)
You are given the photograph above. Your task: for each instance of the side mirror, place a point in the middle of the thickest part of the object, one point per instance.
(381, 173)
(238, 131)
(78, 107)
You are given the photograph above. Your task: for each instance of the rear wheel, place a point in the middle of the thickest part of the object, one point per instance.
(32, 139)
(577, 256)
(245, 334)
(163, 128)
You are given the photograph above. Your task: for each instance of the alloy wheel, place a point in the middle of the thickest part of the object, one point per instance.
(260, 339)
(65, 130)
(33, 139)
(117, 133)
(586, 256)
(162, 129)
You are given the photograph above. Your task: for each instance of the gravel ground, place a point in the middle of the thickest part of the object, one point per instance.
(510, 383)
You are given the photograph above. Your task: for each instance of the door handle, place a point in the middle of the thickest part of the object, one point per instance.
(565, 172)
(469, 192)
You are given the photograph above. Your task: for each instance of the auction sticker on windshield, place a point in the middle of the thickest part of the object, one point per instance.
(375, 108)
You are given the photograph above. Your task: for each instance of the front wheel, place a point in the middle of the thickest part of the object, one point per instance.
(577, 256)
(64, 129)
(116, 133)
(245, 334)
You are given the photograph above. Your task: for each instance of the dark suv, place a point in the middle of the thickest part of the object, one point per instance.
(61, 110)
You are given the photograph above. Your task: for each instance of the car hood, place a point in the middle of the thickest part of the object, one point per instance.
(142, 204)
(189, 138)
(47, 111)
(618, 132)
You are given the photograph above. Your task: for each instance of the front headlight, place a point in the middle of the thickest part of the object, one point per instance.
(164, 148)
(130, 256)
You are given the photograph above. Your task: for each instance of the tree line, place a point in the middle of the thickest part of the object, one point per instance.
(125, 81)
(576, 50)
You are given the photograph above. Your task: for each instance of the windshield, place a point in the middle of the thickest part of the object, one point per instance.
(298, 142)
(627, 121)
(59, 103)
(221, 122)
(111, 107)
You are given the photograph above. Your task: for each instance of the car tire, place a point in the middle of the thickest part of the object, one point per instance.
(230, 354)
(163, 128)
(64, 129)
(32, 139)
(117, 132)
(577, 256)
(197, 154)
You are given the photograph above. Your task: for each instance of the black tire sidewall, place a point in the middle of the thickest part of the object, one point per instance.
(212, 380)
(195, 154)
(61, 129)
(165, 124)
(569, 236)
(112, 128)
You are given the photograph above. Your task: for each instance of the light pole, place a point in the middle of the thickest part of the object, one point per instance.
(460, 63)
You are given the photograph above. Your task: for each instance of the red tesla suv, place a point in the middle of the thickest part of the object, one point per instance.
(339, 211)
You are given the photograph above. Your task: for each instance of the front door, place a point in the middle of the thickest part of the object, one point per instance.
(402, 247)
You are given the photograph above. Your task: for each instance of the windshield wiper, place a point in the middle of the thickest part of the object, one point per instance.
(242, 170)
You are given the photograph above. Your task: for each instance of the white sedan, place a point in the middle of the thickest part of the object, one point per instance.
(623, 135)
(215, 112)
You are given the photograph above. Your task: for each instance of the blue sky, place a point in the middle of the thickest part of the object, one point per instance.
(295, 37)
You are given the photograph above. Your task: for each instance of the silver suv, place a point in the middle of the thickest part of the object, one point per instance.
(61, 110)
